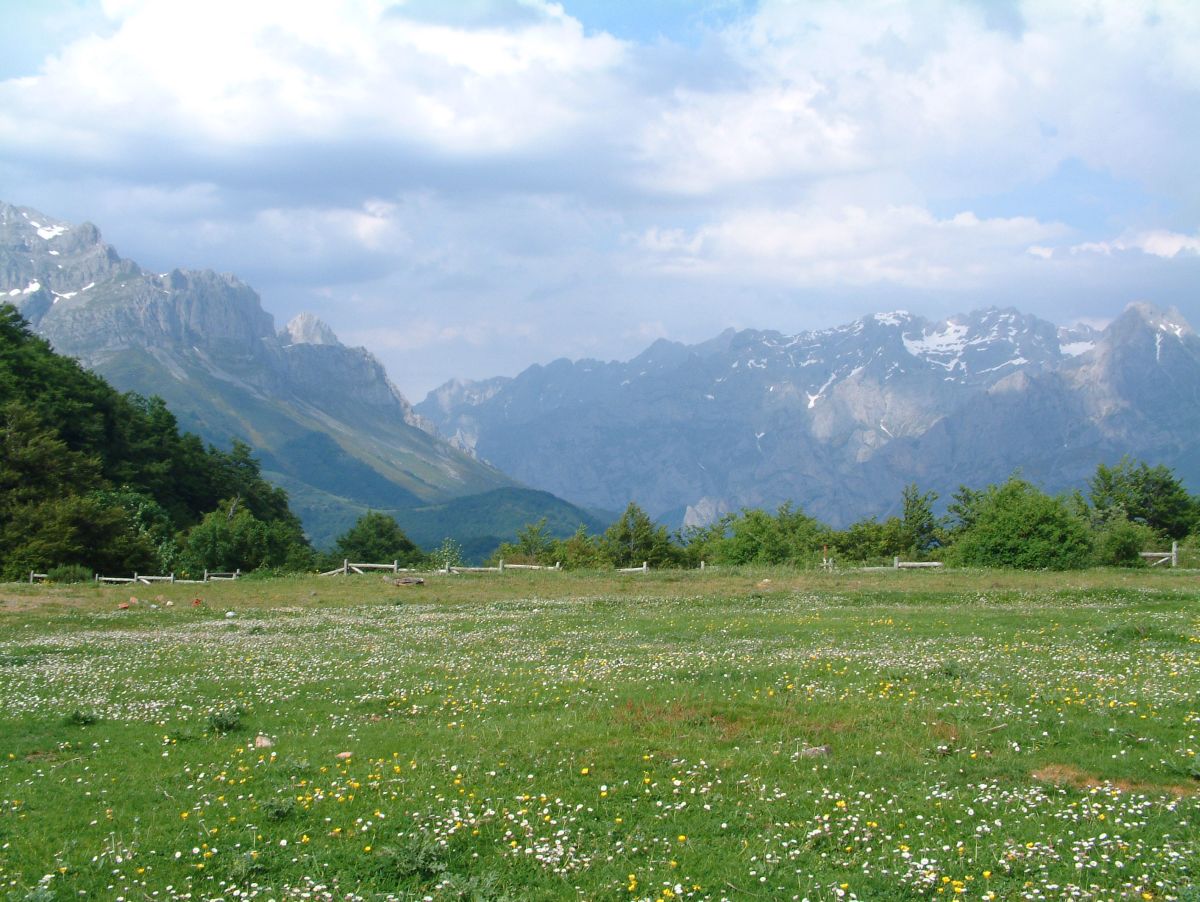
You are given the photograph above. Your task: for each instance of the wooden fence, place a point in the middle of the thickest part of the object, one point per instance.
(143, 579)
(394, 567)
(898, 564)
(1161, 557)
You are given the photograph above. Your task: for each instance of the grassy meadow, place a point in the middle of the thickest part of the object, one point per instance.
(661, 736)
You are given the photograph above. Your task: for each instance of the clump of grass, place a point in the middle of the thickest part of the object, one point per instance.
(1125, 633)
(278, 808)
(82, 718)
(244, 867)
(419, 858)
(226, 720)
(950, 670)
(37, 894)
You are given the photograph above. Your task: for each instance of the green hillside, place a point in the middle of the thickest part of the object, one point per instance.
(96, 479)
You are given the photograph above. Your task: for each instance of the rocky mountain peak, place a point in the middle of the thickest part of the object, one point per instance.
(1169, 321)
(306, 329)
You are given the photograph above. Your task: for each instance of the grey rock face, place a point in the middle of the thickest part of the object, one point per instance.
(306, 329)
(840, 420)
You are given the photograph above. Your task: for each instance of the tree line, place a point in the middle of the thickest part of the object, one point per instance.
(95, 480)
(1127, 508)
(92, 479)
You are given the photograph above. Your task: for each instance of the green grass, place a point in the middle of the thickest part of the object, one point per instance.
(530, 736)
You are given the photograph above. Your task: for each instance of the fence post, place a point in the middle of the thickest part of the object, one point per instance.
(645, 566)
(395, 566)
(702, 565)
(896, 563)
(501, 567)
(172, 576)
(345, 566)
(1174, 554)
(206, 574)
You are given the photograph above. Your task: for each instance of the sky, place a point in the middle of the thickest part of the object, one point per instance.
(467, 188)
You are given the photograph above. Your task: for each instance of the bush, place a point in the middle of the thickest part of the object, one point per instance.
(70, 573)
(1018, 526)
(635, 539)
(376, 538)
(1119, 543)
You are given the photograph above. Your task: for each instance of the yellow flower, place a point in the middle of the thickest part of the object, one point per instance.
(682, 837)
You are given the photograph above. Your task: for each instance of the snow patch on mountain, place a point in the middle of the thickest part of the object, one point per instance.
(942, 345)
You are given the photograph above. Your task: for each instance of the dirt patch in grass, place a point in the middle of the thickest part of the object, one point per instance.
(946, 732)
(677, 713)
(1068, 775)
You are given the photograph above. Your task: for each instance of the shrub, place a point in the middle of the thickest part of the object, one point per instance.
(1119, 543)
(69, 573)
(1016, 525)
(376, 539)
(81, 718)
(635, 539)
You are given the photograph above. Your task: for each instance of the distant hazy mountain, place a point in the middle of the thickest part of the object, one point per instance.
(840, 420)
(323, 418)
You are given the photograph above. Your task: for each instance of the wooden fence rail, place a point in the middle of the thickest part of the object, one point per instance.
(146, 580)
(916, 565)
(1162, 557)
(349, 567)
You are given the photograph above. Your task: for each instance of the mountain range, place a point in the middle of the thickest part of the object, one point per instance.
(837, 420)
(840, 420)
(324, 419)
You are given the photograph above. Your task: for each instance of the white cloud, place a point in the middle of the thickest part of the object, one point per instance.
(1156, 243)
(445, 168)
(425, 333)
(270, 72)
(851, 245)
(930, 91)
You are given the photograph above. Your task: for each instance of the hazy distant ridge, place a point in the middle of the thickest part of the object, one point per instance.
(841, 419)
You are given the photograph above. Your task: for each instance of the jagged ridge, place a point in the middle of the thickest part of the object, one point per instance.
(841, 419)
(325, 419)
